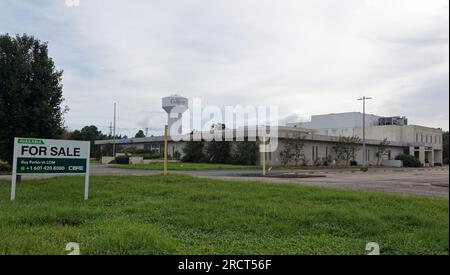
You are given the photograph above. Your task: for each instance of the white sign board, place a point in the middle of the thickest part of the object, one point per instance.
(50, 156)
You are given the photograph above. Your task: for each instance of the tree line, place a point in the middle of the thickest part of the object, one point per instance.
(243, 152)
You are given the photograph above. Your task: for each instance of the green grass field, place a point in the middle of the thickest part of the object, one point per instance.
(94, 161)
(182, 166)
(185, 215)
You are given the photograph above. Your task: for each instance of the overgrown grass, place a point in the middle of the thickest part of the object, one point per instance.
(182, 166)
(186, 215)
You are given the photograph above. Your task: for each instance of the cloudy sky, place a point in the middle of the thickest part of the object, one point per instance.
(306, 57)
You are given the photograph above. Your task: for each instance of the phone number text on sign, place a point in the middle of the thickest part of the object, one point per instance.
(29, 165)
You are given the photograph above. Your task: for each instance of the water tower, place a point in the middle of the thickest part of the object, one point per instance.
(175, 106)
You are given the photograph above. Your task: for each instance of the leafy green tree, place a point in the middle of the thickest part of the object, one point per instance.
(445, 147)
(298, 145)
(245, 152)
(194, 151)
(176, 155)
(382, 150)
(139, 134)
(218, 151)
(293, 151)
(346, 148)
(409, 161)
(286, 154)
(90, 133)
(30, 92)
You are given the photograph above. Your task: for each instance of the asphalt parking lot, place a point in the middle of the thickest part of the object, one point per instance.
(431, 182)
(426, 182)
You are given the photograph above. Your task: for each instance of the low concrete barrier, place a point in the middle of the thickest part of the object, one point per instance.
(392, 163)
(107, 160)
(136, 160)
(149, 161)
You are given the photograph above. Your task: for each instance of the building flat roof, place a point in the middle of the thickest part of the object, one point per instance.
(284, 132)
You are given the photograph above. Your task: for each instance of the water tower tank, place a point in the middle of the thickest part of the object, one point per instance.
(175, 106)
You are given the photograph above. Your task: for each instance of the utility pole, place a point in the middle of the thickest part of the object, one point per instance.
(263, 143)
(364, 98)
(146, 132)
(114, 132)
(166, 148)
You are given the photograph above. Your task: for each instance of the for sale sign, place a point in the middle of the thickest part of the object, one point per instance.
(49, 156)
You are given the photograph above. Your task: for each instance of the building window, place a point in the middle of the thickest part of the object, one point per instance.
(417, 137)
(315, 153)
(421, 137)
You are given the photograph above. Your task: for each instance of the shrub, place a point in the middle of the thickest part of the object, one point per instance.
(446, 161)
(218, 151)
(133, 151)
(123, 160)
(176, 155)
(138, 152)
(353, 163)
(194, 151)
(151, 156)
(4, 167)
(409, 161)
(245, 153)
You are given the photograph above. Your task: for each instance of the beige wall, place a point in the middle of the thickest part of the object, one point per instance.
(406, 134)
(327, 147)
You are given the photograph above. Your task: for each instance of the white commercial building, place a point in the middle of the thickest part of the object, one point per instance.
(323, 135)
(425, 143)
(341, 120)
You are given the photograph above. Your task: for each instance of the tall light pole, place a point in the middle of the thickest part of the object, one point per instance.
(114, 132)
(364, 98)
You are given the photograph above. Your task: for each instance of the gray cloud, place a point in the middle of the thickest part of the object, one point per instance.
(307, 57)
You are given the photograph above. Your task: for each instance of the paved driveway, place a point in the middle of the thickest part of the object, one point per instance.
(424, 182)
(433, 183)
